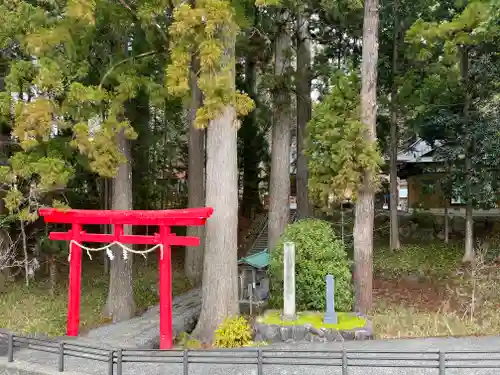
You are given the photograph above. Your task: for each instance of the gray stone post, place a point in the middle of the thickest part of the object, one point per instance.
(330, 314)
(289, 281)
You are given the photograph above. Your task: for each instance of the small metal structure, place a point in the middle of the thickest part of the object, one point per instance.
(254, 282)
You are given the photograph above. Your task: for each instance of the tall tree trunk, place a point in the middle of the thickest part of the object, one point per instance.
(220, 269)
(364, 211)
(304, 112)
(120, 304)
(469, 220)
(193, 264)
(252, 141)
(5, 245)
(446, 222)
(106, 228)
(279, 185)
(394, 240)
(220, 273)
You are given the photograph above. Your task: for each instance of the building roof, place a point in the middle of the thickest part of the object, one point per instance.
(259, 260)
(419, 151)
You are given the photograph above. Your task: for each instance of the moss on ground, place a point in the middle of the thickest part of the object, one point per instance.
(346, 321)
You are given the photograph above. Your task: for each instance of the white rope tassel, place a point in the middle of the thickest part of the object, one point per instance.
(107, 248)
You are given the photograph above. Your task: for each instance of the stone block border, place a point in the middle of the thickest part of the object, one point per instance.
(275, 333)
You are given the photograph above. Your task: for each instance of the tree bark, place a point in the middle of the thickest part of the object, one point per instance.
(304, 112)
(193, 263)
(53, 274)
(4, 155)
(120, 304)
(446, 223)
(106, 227)
(220, 273)
(469, 220)
(279, 185)
(252, 141)
(394, 231)
(364, 211)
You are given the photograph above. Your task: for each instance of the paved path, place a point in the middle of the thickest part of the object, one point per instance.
(143, 331)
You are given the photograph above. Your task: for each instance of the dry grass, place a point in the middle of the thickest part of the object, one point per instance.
(33, 310)
(400, 321)
(446, 299)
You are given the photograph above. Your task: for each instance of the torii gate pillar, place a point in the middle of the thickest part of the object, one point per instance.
(164, 219)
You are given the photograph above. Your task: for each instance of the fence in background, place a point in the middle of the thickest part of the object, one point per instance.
(258, 358)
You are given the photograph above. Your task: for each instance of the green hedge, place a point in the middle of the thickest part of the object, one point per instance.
(317, 253)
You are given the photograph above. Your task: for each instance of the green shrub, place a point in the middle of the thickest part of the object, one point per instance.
(436, 260)
(234, 332)
(317, 253)
(423, 219)
(187, 342)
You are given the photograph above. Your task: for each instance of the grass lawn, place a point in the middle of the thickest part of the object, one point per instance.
(33, 310)
(424, 291)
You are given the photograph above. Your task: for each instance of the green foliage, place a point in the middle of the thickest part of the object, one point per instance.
(187, 342)
(210, 30)
(234, 332)
(317, 253)
(267, 2)
(436, 260)
(423, 219)
(440, 42)
(54, 248)
(337, 146)
(28, 179)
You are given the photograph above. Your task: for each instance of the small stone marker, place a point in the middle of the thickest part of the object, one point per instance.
(330, 314)
(289, 281)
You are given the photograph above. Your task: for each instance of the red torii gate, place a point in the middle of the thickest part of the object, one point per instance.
(118, 218)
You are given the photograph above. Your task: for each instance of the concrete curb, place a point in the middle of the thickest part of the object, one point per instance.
(26, 368)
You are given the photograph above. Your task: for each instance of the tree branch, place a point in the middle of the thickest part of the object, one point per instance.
(132, 11)
(139, 56)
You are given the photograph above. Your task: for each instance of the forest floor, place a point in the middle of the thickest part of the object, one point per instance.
(425, 291)
(32, 309)
(421, 291)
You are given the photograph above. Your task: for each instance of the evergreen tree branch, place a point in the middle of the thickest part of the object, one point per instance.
(124, 4)
(139, 56)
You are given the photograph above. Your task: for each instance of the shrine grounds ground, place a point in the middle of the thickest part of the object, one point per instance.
(421, 291)
(34, 310)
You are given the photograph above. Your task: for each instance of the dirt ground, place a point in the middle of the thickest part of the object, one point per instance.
(422, 295)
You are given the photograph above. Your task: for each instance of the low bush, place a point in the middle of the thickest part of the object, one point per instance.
(234, 332)
(317, 253)
(185, 341)
(423, 219)
(436, 260)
